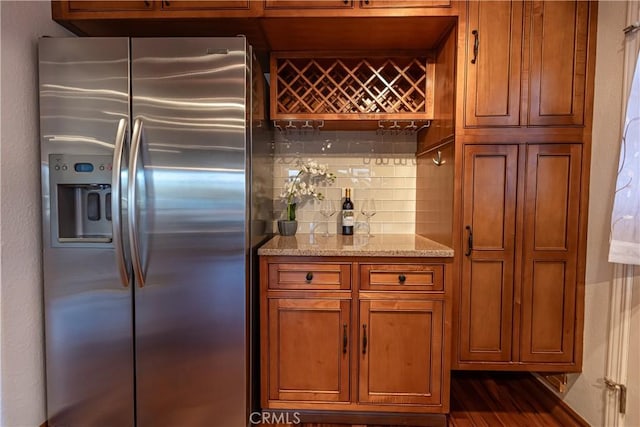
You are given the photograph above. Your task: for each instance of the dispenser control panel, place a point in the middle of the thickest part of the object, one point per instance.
(82, 165)
(81, 205)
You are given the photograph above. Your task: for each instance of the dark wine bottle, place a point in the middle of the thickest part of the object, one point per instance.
(347, 214)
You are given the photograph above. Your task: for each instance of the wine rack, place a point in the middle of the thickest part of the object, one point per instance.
(351, 88)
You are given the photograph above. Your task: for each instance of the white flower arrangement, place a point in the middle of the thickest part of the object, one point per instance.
(305, 185)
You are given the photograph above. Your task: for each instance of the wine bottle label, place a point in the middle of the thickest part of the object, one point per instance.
(347, 218)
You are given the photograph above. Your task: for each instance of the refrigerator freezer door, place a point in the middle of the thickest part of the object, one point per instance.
(191, 225)
(84, 95)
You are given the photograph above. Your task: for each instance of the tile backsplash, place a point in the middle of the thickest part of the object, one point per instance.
(382, 167)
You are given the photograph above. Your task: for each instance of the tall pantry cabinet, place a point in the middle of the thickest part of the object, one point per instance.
(523, 130)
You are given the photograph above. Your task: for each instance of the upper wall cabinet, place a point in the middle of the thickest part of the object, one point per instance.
(136, 9)
(114, 6)
(354, 7)
(525, 63)
(494, 45)
(557, 47)
(108, 6)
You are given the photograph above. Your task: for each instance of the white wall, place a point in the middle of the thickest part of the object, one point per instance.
(587, 392)
(21, 331)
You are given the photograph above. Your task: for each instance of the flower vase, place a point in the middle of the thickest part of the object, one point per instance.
(287, 227)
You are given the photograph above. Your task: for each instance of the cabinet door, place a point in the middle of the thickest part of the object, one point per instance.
(204, 5)
(109, 6)
(308, 4)
(550, 252)
(494, 41)
(489, 212)
(401, 352)
(558, 52)
(402, 4)
(309, 349)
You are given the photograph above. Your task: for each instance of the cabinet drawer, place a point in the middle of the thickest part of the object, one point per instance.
(402, 277)
(310, 276)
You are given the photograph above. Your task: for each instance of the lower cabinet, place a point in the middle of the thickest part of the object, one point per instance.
(520, 302)
(401, 352)
(309, 349)
(355, 347)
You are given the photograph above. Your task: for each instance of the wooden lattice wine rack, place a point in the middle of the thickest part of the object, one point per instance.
(356, 87)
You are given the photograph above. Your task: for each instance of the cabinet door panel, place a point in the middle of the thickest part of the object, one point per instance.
(492, 90)
(401, 4)
(309, 350)
(205, 5)
(308, 4)
(310, 276)
(402, 277)
(558, 44)
(486, 294)
(550, 252)
(108, 6)
(402, 354)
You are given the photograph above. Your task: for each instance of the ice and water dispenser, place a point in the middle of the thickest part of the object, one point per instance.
(80, 188)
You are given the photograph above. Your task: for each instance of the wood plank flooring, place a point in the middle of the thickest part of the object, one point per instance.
(506, 399)
(482, 399)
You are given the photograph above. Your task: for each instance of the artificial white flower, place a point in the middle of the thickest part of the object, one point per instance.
(304, 185)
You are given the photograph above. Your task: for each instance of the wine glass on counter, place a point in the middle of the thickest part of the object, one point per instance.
(368, 209)
(327, 210)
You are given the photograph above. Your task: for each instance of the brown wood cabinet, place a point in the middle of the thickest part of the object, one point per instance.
(119, 12)
(404, 4)
(151, 5)
(109, 6)
(493, 63)
(354, 5)
(557, 47)
(525, 63)
(401, 352)
(549, 298)
(355, 334)
(489, 212)
(503, 319)
(309, 358)
(308, 4)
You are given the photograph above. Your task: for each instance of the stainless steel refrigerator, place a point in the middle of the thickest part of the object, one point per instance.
(155, 195)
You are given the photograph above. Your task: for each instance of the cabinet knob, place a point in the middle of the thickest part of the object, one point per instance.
(402, 278)
(309, 277)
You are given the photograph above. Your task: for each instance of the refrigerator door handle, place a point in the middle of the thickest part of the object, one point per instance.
(136, 138)
(116, 203)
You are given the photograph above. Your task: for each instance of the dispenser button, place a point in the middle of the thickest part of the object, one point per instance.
(101, 167)
(64, 167)
(57, 167)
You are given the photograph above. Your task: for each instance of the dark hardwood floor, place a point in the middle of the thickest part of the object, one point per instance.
(506, 399)
(483, 399)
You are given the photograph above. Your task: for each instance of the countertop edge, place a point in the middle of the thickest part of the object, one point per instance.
(334, 246)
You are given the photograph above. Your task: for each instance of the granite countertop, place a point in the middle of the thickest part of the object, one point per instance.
(392, 245)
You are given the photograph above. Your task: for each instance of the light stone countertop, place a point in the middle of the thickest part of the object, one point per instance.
(382, 245)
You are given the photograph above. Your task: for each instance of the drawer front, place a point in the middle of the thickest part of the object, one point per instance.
(402, 277)
(313, 276)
